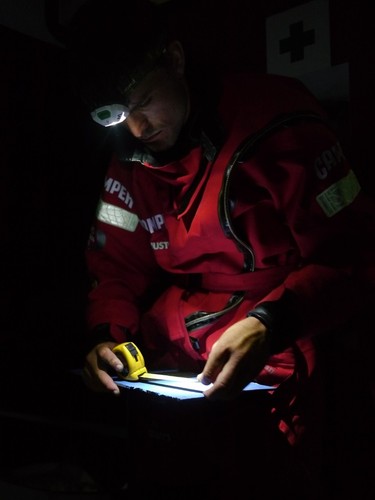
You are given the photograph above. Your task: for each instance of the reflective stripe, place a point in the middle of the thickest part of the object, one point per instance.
(339, 195)
(116, 216)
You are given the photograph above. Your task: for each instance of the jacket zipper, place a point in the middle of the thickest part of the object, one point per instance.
(243, 151)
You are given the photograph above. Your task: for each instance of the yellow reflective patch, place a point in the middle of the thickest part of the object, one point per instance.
(116, 216)
(339, 195)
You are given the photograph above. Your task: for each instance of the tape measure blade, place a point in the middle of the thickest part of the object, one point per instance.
(186, 383)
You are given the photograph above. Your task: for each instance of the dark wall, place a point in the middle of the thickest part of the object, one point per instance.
(49, 181)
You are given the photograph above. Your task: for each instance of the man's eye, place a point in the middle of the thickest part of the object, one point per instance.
(144, 103)
(141, 105)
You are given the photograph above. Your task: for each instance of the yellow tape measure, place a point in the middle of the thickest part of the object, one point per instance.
(135, 370)
(132, 359)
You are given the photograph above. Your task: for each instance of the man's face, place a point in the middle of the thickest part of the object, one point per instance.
(159, 107)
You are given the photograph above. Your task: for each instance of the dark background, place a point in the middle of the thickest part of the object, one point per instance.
(52, 162)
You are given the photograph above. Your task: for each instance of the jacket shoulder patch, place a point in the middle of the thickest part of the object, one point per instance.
(339, 195)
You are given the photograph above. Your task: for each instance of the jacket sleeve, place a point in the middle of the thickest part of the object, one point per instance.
(326, 223)
(120, 262)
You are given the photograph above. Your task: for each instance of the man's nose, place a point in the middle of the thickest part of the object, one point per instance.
(137, 123)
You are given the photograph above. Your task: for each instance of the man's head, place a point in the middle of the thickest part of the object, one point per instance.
(127, 70)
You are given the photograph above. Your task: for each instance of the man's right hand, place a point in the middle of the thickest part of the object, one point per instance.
(99, 361)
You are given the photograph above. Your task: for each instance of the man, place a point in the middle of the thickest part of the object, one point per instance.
(231, 232)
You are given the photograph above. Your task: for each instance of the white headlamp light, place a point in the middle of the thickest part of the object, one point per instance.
(110, 115)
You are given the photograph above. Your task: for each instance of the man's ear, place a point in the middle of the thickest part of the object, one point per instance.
(176, 56)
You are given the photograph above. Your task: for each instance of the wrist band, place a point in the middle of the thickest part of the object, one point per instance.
(281, 320)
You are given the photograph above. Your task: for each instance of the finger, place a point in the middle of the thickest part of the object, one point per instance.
(107, 356)
(99, 381)
(95, 375)
(232, 380)
(108, 383)
(214, 365)
(224, 387)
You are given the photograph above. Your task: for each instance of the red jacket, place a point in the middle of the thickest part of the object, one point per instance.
(179, 252)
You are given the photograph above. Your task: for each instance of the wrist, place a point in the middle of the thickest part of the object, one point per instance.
(281, 320)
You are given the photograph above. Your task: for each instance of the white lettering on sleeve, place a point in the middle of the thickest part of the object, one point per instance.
(152, 224)
(113, 186)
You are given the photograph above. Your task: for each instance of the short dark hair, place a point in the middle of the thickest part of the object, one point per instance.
(110, 44)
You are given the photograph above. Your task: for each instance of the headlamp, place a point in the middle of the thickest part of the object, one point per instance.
(118, 90)
(110, 115)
